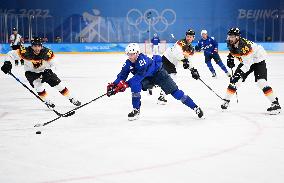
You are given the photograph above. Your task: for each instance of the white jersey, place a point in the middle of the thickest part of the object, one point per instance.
(15, 39)
(32, 65)
(248, 53)
(175, 53)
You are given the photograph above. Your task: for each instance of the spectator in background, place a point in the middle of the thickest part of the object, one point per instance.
(58, 39)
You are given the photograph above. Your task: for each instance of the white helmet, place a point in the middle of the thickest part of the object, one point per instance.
(132, 48)
(203, 32)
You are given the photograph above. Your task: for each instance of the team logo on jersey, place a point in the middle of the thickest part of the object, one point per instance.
(37, 63)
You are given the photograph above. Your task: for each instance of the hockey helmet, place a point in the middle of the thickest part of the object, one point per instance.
(15, 29)
(132, 48)
(234, 31)
(36, 41)
(190, 32)
(203, 32)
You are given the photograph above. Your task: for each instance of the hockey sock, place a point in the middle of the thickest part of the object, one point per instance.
(42, 94)
(231, 90)
(63, 90)
(136, 103)
(185, 99)
(267, 90)
(222, 66)
(210, 66)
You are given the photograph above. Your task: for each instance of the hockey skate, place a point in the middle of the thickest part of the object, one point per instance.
(275, 108)
(75, 101)
(162, 100)
(225, 105)
(49, 104)
(134, 115)
(214, 75)
(22, 62)
(199, 112)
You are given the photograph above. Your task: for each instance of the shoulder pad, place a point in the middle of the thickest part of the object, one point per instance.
(47, 54)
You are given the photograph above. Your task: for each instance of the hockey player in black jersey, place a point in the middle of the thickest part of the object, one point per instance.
(38, 70)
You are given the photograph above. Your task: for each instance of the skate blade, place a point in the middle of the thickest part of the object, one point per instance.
(275, 112)
(161, 103)
(133, 118)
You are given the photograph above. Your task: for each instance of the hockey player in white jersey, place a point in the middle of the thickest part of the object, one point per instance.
(38, 70)
(15, 43)
(252, 59)
(181, 51)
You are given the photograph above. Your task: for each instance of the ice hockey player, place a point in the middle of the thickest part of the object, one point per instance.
(16, 42)
(155, 44)
(210, 47)
(147, 73)
(38, 70)
(181, 51)
(252, 59)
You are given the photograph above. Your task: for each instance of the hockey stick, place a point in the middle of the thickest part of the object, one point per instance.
(210, 89)
(236, 91)
(69, 112)
(31, 91)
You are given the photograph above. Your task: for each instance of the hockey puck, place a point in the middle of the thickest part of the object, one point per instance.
(38, 132)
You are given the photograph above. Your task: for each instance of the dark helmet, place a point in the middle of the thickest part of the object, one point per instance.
(36, 41)
(190, 32)
(15, 29)
(234, 31)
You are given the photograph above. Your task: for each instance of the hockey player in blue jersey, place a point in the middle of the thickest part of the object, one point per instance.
(210, 47)
(146, 72)
(155, 43)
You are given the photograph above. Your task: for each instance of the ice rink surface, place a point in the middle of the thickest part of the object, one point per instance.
(168, 144)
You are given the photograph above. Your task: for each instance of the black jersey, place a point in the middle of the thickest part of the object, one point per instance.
(27, 53)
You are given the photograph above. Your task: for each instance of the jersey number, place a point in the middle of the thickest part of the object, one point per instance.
(142, 62)
(245, 49)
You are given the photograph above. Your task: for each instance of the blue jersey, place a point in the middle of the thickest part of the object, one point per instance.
(143, 67)
(155, 40)
(209, 45)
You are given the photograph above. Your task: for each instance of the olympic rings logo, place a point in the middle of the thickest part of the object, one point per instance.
(151, 19)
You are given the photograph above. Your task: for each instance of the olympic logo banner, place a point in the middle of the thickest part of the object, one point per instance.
(151, 18)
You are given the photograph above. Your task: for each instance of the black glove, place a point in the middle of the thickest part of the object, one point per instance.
(185, 63)
(6, 67)
(237, 76)
(230, 61)
(197, 48)
(194, 73)
(46, 75)
(111, 89)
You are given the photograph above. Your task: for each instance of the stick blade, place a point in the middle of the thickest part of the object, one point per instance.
(69, 114)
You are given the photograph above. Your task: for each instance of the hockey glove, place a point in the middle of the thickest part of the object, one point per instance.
(230, 61)
(197, 48)
(194, 73)
(6, 67)
(185, 63)
(110, 89)
(237, 76)
(46, 75)
(121, 86)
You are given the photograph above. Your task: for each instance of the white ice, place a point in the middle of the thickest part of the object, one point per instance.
(168, 144)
